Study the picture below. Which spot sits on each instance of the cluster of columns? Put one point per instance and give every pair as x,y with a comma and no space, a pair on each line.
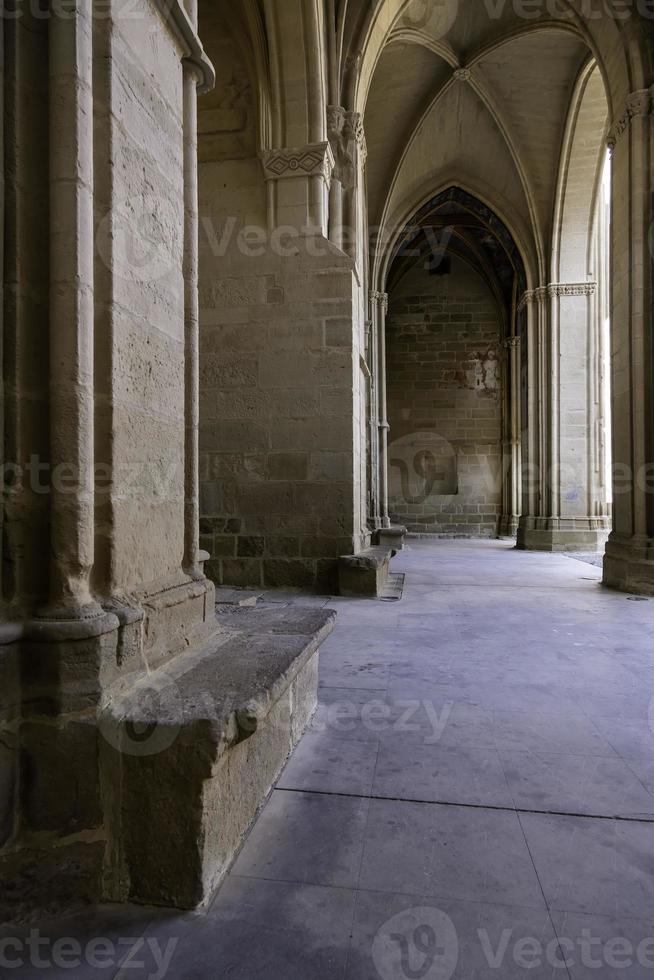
561,507
512,442
379,425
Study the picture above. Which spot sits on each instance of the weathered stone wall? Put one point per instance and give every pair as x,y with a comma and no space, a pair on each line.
445,405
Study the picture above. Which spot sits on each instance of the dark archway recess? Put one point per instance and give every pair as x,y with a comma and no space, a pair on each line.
453,361
455,223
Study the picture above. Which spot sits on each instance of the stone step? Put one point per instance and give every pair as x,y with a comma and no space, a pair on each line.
196,747
365,574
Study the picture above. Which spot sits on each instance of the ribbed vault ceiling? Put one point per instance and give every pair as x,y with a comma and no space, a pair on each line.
497,128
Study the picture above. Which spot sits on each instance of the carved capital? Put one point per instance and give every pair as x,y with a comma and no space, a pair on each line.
381,298
314,160
640,103
348,143
511,342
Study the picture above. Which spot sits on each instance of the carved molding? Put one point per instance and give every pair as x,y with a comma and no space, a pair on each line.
314,160
556,289
174,14
571,288
640,103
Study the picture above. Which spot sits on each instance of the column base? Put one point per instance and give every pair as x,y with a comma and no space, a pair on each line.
560,534
508,527
629,565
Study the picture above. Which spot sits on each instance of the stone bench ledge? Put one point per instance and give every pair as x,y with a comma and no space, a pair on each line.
364,574
196,747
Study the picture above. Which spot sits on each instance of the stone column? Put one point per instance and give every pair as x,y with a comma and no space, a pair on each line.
191,328
559,509
512,440
71,314
380,300
629,561
375,386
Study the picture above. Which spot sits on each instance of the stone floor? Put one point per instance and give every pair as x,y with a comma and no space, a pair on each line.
475,798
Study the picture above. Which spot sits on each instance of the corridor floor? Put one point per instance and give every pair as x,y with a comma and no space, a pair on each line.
475,797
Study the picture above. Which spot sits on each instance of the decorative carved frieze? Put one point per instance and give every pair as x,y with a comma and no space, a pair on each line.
314,160
572,288
640,103
556,289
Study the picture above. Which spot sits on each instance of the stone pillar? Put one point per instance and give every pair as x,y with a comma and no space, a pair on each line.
380,302
629,561
376,382
71,315
191,328
559,509
512,440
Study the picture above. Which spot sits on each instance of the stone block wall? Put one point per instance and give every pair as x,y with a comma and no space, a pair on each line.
279,379
445,405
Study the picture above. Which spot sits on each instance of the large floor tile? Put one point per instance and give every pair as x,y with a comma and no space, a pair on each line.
267,929
355,672
302,837
576,784
570,732
605,947
448,852
596,866
409,768
331,765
